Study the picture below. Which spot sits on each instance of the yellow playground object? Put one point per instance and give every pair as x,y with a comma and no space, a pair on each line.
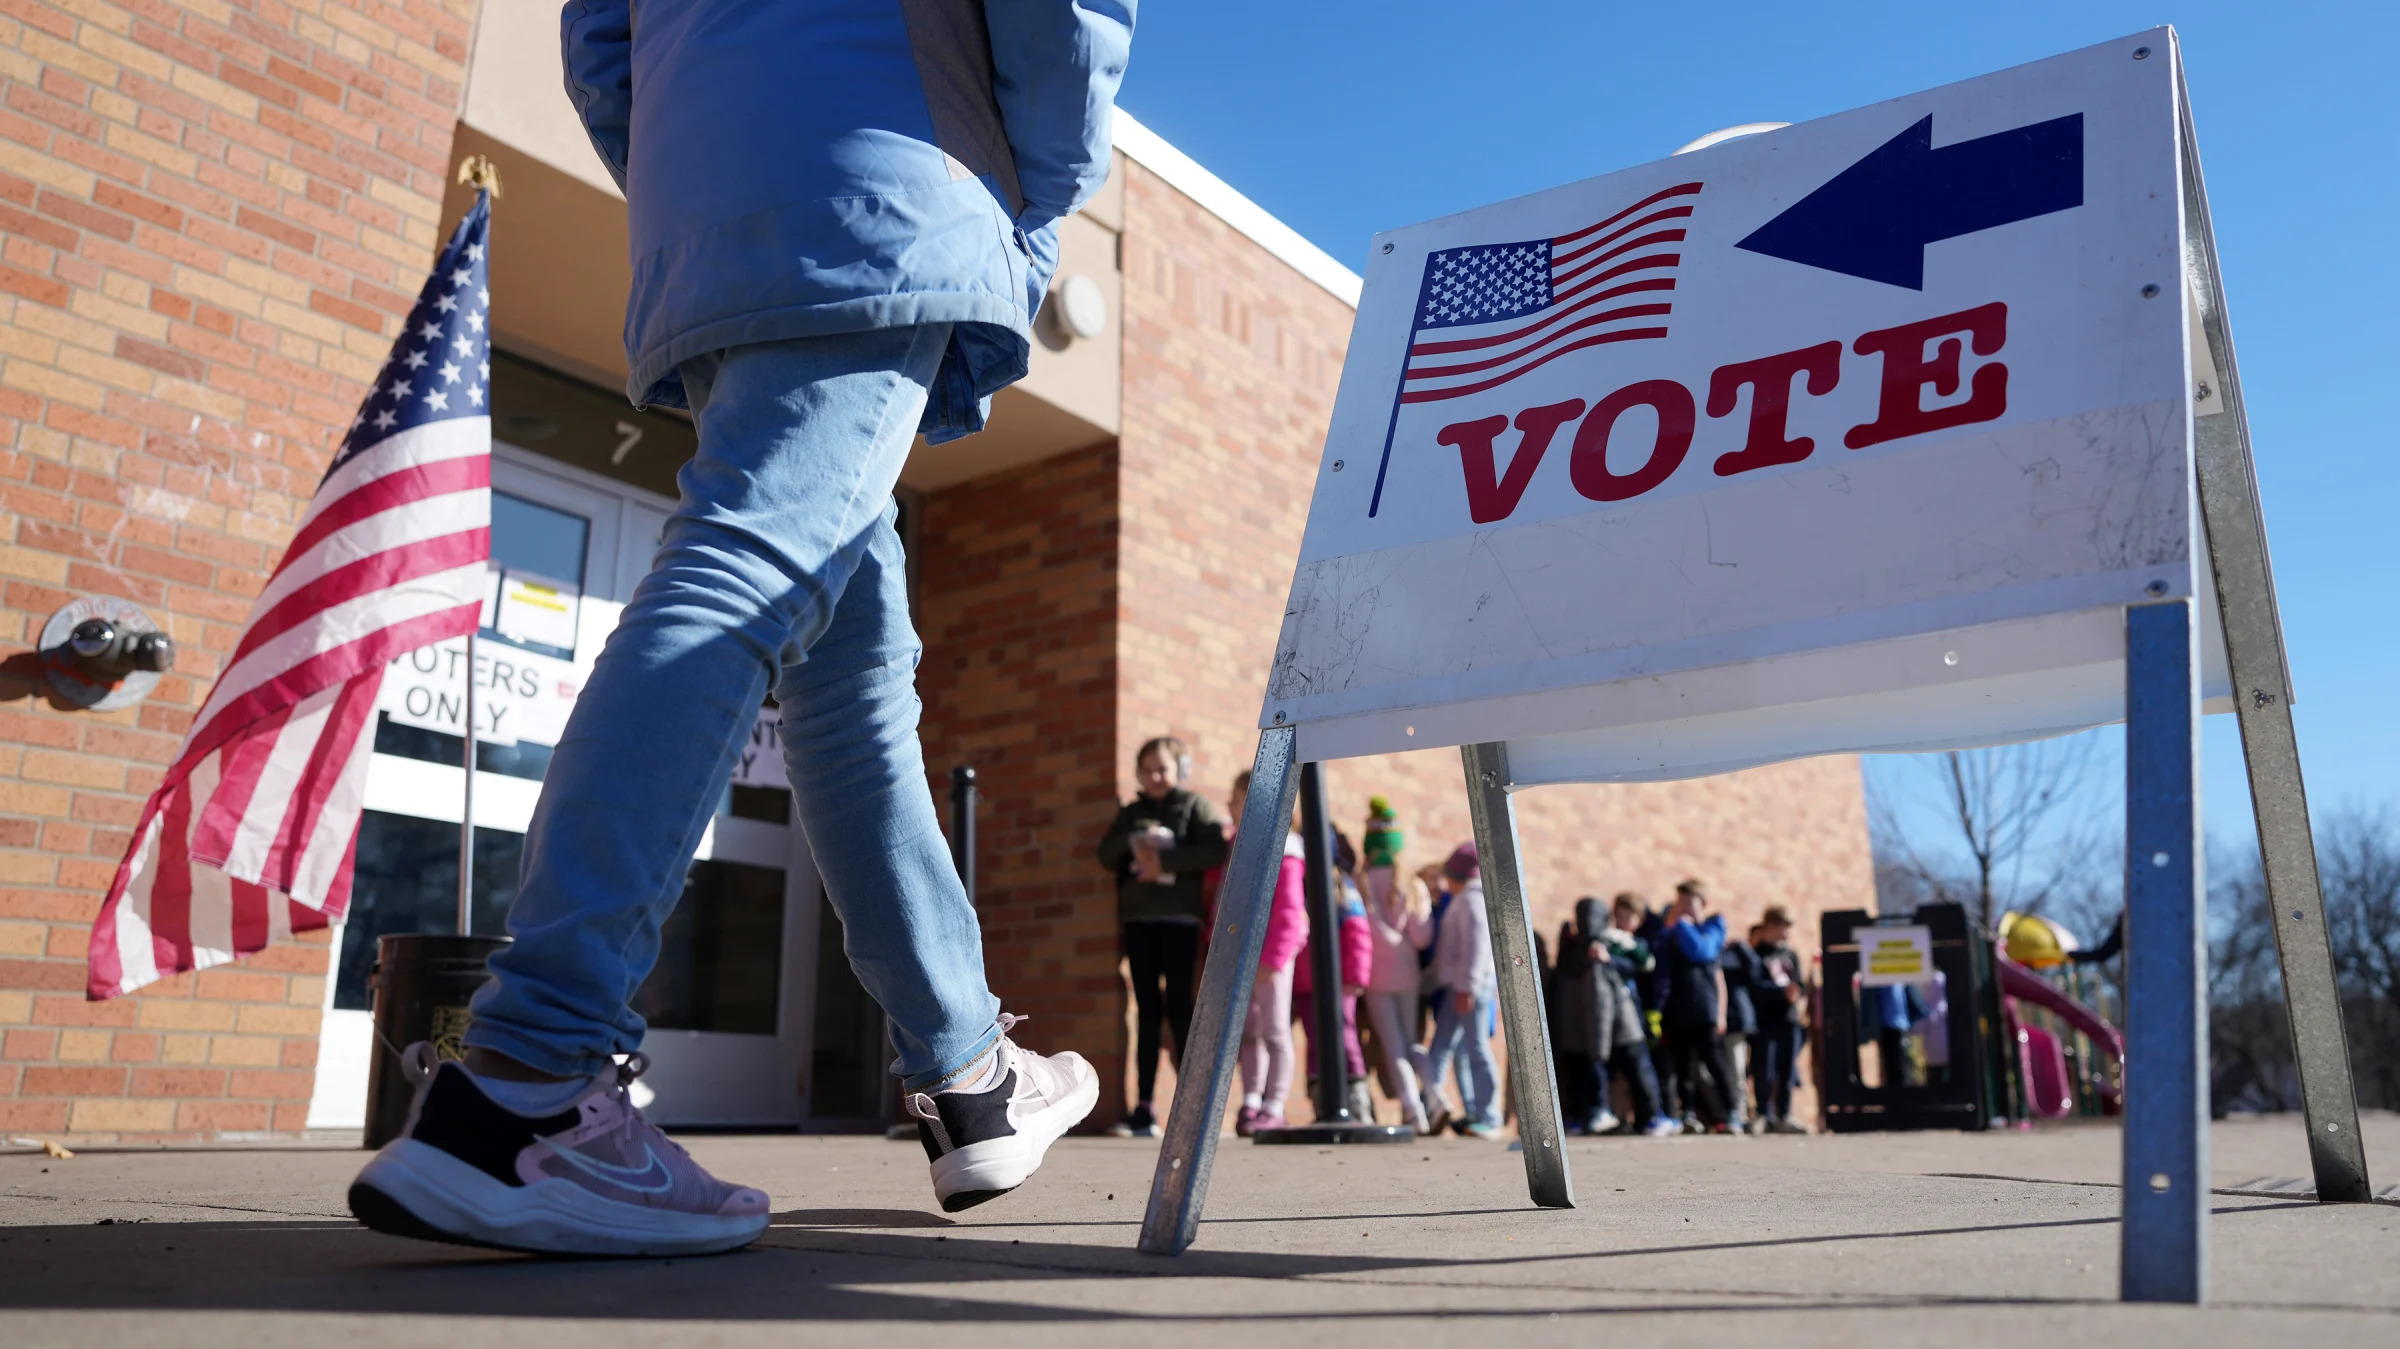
2036,943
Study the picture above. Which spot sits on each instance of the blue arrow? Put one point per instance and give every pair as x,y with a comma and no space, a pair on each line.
1874,218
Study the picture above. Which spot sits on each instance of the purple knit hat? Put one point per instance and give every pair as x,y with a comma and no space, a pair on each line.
1463,864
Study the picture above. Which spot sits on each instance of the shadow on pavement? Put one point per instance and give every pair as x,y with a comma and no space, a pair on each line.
813,1265
858,1217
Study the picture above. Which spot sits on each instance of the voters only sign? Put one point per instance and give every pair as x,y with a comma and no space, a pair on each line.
1856,434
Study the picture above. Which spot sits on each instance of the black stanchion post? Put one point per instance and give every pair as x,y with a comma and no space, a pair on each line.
1324,948
903,1126
962,855
962,825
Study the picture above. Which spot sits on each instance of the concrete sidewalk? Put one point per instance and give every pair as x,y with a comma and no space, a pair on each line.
2001,1239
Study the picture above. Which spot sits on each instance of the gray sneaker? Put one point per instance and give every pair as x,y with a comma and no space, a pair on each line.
593,1179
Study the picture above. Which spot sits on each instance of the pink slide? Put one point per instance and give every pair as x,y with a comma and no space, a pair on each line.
2043,1057
2045,1063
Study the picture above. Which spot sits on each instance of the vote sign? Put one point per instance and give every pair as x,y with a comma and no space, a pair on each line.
1911,370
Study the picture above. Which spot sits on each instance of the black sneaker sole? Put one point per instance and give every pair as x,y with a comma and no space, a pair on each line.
389,1216
966,1199
382,1213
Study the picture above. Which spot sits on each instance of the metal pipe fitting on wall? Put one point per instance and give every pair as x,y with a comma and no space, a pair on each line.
104,653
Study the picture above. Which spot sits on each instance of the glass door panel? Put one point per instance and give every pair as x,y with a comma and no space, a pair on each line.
720,958
731,999
849,1077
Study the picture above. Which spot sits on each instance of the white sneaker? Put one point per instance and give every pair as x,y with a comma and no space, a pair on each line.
593,1179
1664,1127
985,1143
1604,1122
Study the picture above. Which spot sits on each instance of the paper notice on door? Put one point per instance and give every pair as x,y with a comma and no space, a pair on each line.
537,609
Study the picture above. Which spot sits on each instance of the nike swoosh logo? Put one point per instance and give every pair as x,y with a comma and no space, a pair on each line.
651,1177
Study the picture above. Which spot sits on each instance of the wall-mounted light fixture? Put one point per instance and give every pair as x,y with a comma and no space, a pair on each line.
1077,309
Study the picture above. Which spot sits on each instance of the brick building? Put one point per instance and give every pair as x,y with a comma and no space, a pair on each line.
214,215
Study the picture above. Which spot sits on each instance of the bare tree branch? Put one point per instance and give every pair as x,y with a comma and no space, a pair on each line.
2012,812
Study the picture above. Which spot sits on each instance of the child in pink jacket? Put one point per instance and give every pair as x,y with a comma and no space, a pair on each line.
1267,1030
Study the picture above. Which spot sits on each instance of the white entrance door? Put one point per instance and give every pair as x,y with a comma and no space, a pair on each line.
732,1002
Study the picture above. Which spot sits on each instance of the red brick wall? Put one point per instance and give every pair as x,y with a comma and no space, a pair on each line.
213,214
1230,368
1016,602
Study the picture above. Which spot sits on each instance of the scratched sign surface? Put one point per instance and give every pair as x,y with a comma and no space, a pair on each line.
1915,367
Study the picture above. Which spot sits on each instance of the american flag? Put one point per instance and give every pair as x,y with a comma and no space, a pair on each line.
250,836
1501,310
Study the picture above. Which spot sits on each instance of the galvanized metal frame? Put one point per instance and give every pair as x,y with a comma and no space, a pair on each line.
1532,1077
2262,696
2164,1256
2163,1252
1206,1065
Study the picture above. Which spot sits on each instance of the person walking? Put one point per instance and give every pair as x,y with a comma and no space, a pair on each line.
1692,1022
1161,846
1781,998
1266,1055
843,218
1399,927
1462,969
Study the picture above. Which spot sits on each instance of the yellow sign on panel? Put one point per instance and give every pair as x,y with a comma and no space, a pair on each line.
1895,955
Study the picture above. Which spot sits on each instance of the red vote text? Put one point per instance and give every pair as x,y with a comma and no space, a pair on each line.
1774,382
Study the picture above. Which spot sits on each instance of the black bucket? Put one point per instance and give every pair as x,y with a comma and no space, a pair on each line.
420,986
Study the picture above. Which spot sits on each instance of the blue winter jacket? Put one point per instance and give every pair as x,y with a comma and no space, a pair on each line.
800,167
1689,960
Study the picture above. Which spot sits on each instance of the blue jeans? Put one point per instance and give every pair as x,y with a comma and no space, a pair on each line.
1459,1035
780,564
1775,1064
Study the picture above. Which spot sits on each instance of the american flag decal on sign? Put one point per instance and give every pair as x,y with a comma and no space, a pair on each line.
1488,313
250,835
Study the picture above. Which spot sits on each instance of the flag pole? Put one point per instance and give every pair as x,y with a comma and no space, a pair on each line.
480,173
466,817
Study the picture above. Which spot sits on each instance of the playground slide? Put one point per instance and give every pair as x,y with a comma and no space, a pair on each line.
2045,1063
2040,1053
2019,982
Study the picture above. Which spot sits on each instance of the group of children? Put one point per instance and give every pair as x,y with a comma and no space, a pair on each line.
1659,1002
1412,948
1689,1023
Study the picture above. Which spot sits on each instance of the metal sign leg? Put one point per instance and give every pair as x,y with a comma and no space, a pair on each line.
1530,1075
1205,1071
2164,1239
2287,850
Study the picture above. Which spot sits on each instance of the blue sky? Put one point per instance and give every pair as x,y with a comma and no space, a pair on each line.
1344,118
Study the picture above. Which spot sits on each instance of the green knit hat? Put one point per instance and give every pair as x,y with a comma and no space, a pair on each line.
1382,836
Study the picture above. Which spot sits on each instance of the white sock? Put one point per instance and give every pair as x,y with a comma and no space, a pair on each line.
974,1079
531,1098
1252,1100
